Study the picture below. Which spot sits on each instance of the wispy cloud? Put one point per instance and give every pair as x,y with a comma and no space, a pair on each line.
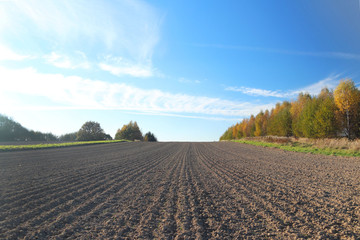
190,81
313,89
327,54
65,61
74,92
8,54
130,29
255,91
132,70
330,82
120,67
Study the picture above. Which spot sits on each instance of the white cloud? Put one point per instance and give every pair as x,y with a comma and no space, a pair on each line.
130,29
119,66
64,61
8,54
330,82
255,91
186,80
313,89
73,92
135,71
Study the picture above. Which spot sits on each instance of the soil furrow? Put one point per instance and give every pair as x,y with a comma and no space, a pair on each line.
53,208
250,195
102,209
177,191
56,181
298,204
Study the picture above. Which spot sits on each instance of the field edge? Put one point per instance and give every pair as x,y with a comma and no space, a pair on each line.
6,148
297,147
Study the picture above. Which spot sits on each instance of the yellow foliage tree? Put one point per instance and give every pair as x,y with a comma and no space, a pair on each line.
259,124
347,100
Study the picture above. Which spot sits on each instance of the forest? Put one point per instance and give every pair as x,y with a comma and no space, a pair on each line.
12,131
329,114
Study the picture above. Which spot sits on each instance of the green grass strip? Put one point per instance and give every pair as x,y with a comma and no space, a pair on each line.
304,148
55,145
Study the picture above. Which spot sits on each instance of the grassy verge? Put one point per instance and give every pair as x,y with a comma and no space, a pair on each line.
54,145
304,148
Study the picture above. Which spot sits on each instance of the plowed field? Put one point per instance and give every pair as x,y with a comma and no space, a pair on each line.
177,191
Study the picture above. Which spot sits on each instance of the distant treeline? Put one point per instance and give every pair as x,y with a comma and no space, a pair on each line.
13,131
327,115
90,131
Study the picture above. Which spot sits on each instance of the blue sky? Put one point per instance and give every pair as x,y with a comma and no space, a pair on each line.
185,70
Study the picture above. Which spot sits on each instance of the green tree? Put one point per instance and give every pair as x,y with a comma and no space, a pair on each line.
325,124
307,118
130,132
265,122
68,137
280,120
13,131
39,136
296,111
150,137
227,134
108,137
90,131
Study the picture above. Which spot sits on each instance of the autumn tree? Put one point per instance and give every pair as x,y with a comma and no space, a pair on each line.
242,128
265,122
347,98
90,131
259,131
250,127
329,114
237,131
234,132
130,132
227,134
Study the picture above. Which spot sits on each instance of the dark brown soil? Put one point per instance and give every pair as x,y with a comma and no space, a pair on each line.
177,191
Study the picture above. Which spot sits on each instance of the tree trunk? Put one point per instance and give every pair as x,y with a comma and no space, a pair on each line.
348,124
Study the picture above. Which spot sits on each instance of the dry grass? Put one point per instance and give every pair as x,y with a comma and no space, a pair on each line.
272,139
333,143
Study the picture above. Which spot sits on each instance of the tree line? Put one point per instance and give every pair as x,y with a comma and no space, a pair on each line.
13,131
326,115
89,131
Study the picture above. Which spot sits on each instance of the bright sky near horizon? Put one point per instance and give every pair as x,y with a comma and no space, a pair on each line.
184,70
